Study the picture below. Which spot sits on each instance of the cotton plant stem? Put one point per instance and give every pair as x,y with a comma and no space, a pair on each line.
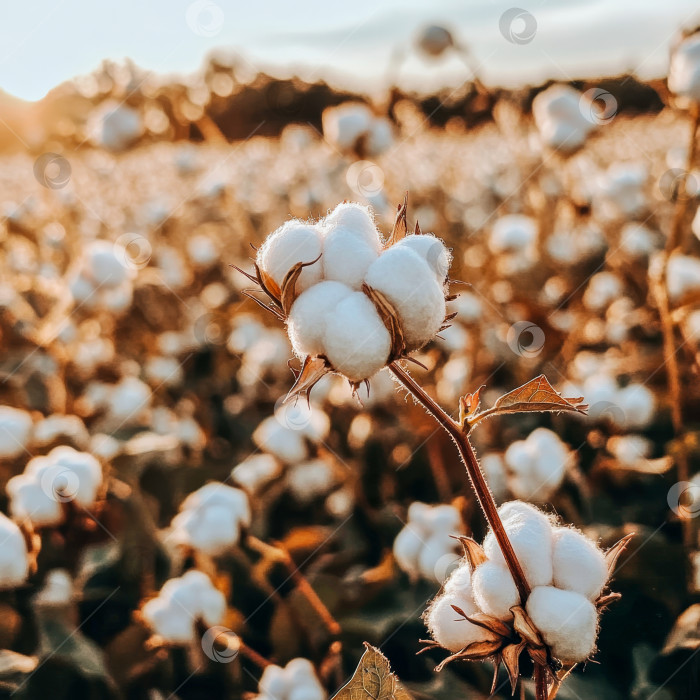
476,476
252,655
540,682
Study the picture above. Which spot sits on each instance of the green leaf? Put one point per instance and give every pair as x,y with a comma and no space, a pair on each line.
373,680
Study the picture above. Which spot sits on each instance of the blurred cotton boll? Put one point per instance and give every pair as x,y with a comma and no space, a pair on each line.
296,681
15,431
684,72
14,563
559,118
114,126
180,603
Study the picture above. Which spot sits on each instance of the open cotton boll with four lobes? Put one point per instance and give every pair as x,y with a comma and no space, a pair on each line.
14,563
560,119
296,681
180,603
684,71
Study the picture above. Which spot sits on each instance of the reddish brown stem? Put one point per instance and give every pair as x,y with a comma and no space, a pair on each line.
476,476
252,655
540,682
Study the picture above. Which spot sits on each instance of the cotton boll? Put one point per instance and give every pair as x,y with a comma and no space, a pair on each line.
214,493
356,340
292,243
637,240
432,250
621,189
128,399
494,589
14,565
287,445
29,501
273,682
104,264
412,289
114,126
433,550
530,533
210,530
380,137
444,518
15,431
256,471
80,471
629,449
419,516
357,218
307,319
449,629
407,548
567,621
638,405
345,124
603,288
558,117
492,465
513,232
57,589
684,71
310,480
577,563
682,276
174,626
309,690
460,581
57,426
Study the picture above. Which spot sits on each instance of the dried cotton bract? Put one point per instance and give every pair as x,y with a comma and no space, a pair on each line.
352,302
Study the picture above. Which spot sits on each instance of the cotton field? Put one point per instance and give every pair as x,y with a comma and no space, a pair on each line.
359,399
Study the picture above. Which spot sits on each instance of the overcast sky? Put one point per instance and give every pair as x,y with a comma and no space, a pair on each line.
43,42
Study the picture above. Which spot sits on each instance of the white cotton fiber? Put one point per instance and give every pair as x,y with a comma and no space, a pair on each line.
443,518
356,341
306,323
411,287
432,250
494,589
682,276
449,629
15,431
343,125
347,255
603,288
460,581
284,443
14,565
273,681
513,232
530,533
310,480
104,264
567,621
684,71
407,548
638,405
433,550
559,119
579,565
294,242
209,530
359,218
213,494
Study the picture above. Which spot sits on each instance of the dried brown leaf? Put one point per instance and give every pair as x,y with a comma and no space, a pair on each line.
476,651
613,554
400,225
473,551
313,369
288,293
511,660
493,624
524,626
536,395
373,680
269,286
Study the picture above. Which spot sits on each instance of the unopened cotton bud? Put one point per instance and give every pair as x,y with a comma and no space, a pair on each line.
530,533
412,289
307,319
449,629
292,243
432,250
494,589
356,340
567,621
579,565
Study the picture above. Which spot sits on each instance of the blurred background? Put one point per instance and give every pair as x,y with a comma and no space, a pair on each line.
145,147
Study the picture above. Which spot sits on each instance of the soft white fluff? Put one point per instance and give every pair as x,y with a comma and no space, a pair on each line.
603,288
530,533
284,443
578,564
621,189
637,240
684,71
356,340
558,117
412,289
57,589
537,464
347,254
682,276
494,589
345,124
567,621
14,564
432,250
114,126
460,581
309,315
104,264
629,449
296,681
513,233
294,242
181,602
15,431
56,426
309,480
449,628
638,405
256,471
